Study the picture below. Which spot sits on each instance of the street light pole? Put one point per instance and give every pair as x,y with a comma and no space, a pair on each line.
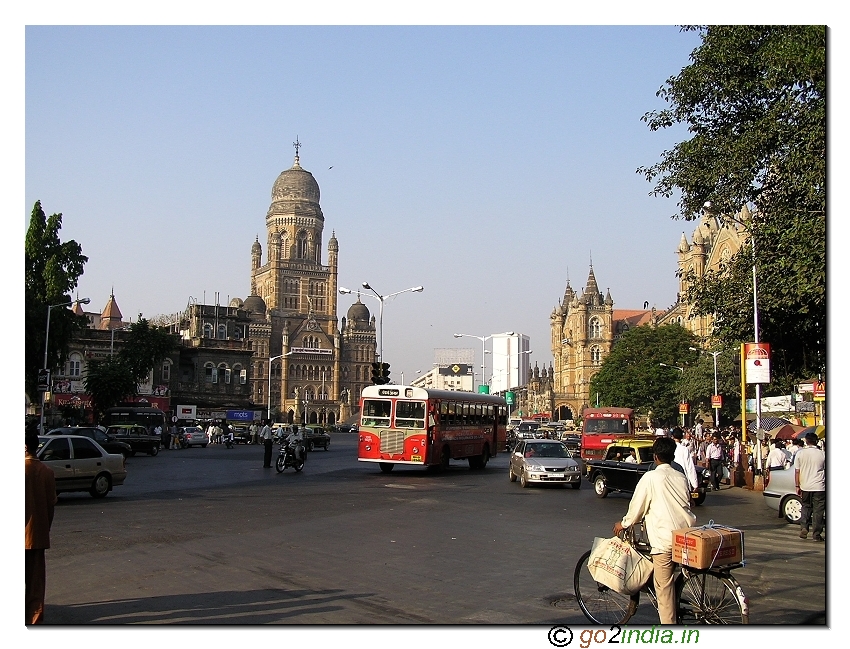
716,410
382,299
84,300
483,340
272,359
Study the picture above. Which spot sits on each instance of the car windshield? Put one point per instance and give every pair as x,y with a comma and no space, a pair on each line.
549,450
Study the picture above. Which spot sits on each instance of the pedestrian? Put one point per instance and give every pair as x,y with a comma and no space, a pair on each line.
810,480
40,496
254,433
778,456
158,432
662,500
172,440
266,435
714,455
684,458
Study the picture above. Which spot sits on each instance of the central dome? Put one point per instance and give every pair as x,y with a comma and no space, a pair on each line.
295,184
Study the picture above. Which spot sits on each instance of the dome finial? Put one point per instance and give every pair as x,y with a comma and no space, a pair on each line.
297,146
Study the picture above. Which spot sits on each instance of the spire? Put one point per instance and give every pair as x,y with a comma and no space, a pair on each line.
608,299
683,244
592,287
297,146
111,316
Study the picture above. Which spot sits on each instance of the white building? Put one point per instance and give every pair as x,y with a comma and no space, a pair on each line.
452,370
510,361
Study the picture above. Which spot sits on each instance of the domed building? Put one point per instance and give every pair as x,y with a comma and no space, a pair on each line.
317,369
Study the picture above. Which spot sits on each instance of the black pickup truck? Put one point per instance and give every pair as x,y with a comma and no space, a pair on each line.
138,437
614,474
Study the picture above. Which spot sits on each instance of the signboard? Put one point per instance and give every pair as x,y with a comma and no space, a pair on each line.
240,415
757,362
716,401
684,408
457,369
187,412
509,398
483,389
311,350
43,380
819,391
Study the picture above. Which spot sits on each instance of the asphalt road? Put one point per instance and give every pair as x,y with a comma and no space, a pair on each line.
207,536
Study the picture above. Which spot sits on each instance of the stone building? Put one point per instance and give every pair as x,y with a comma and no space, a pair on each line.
316,369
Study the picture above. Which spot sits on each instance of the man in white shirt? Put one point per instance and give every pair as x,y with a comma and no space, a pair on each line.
777,457
810,480
661,499
631,458
297,436
714,455
268,441
684,459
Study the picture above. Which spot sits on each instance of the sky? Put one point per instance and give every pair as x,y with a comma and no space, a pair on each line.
488,164
486,152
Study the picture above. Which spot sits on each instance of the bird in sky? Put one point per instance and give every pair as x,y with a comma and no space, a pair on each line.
331,167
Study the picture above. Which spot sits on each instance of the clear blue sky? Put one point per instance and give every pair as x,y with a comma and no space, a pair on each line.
486,163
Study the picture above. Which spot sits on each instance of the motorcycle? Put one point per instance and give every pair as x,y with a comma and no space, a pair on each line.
290,454
704,486
228,441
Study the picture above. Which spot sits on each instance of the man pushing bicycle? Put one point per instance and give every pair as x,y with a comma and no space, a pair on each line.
662,500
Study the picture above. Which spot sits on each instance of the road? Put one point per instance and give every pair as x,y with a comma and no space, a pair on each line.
207,536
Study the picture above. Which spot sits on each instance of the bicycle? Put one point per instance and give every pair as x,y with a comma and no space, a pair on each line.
703,596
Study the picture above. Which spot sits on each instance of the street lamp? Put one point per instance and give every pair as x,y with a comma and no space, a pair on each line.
483,340
83,300
271,360
382,299
716,410
682,370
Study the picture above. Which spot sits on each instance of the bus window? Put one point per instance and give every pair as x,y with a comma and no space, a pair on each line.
376,413
410,414
450,417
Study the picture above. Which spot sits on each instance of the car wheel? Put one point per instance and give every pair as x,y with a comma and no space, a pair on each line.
386,467
132,453
328,443
101,486
577,484
309,446
511,475
699,500
154,450
523,480
792,509
599,486
204,445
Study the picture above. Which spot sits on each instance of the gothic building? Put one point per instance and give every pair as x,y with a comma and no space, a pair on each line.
315,369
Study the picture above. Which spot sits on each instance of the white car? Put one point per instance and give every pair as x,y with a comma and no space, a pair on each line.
539,461
81,464
781,494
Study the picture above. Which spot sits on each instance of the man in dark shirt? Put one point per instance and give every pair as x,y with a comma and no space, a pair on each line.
40,494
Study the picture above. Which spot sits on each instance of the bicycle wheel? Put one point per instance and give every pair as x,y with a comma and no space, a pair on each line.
600,604
711,598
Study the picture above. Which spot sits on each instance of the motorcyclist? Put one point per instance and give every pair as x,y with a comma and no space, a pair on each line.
296,439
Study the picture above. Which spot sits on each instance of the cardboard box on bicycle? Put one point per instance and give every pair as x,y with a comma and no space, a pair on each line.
706,547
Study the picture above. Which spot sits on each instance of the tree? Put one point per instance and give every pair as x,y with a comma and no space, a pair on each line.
116,378
631,375
51,272
698,383
754,101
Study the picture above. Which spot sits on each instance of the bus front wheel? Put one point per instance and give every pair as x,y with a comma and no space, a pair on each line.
386,467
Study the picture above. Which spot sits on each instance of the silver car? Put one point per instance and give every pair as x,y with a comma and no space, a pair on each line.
544,461
781,494
81,464
194,436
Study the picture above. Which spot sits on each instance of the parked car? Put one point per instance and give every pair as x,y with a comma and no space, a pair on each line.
108,442
81,464
241,434
544,461
138,437
316,437
781,494
194,436
613,474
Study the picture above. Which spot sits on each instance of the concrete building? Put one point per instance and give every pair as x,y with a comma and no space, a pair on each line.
510,362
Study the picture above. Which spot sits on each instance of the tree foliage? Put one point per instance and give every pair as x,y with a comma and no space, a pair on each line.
754,101
112,380
51,272
631,375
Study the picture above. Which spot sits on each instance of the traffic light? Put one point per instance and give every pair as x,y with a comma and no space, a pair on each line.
376,374
385,373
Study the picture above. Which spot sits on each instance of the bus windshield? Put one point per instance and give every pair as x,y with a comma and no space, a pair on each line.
617,426
376,412
410,414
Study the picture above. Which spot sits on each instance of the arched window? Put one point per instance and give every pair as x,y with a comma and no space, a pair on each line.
222,332
595,328
301,245
210,373
595,355
208,330
75,365
166,370
224,372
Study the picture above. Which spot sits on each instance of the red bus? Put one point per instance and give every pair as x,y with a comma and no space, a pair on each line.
603,426
406,425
